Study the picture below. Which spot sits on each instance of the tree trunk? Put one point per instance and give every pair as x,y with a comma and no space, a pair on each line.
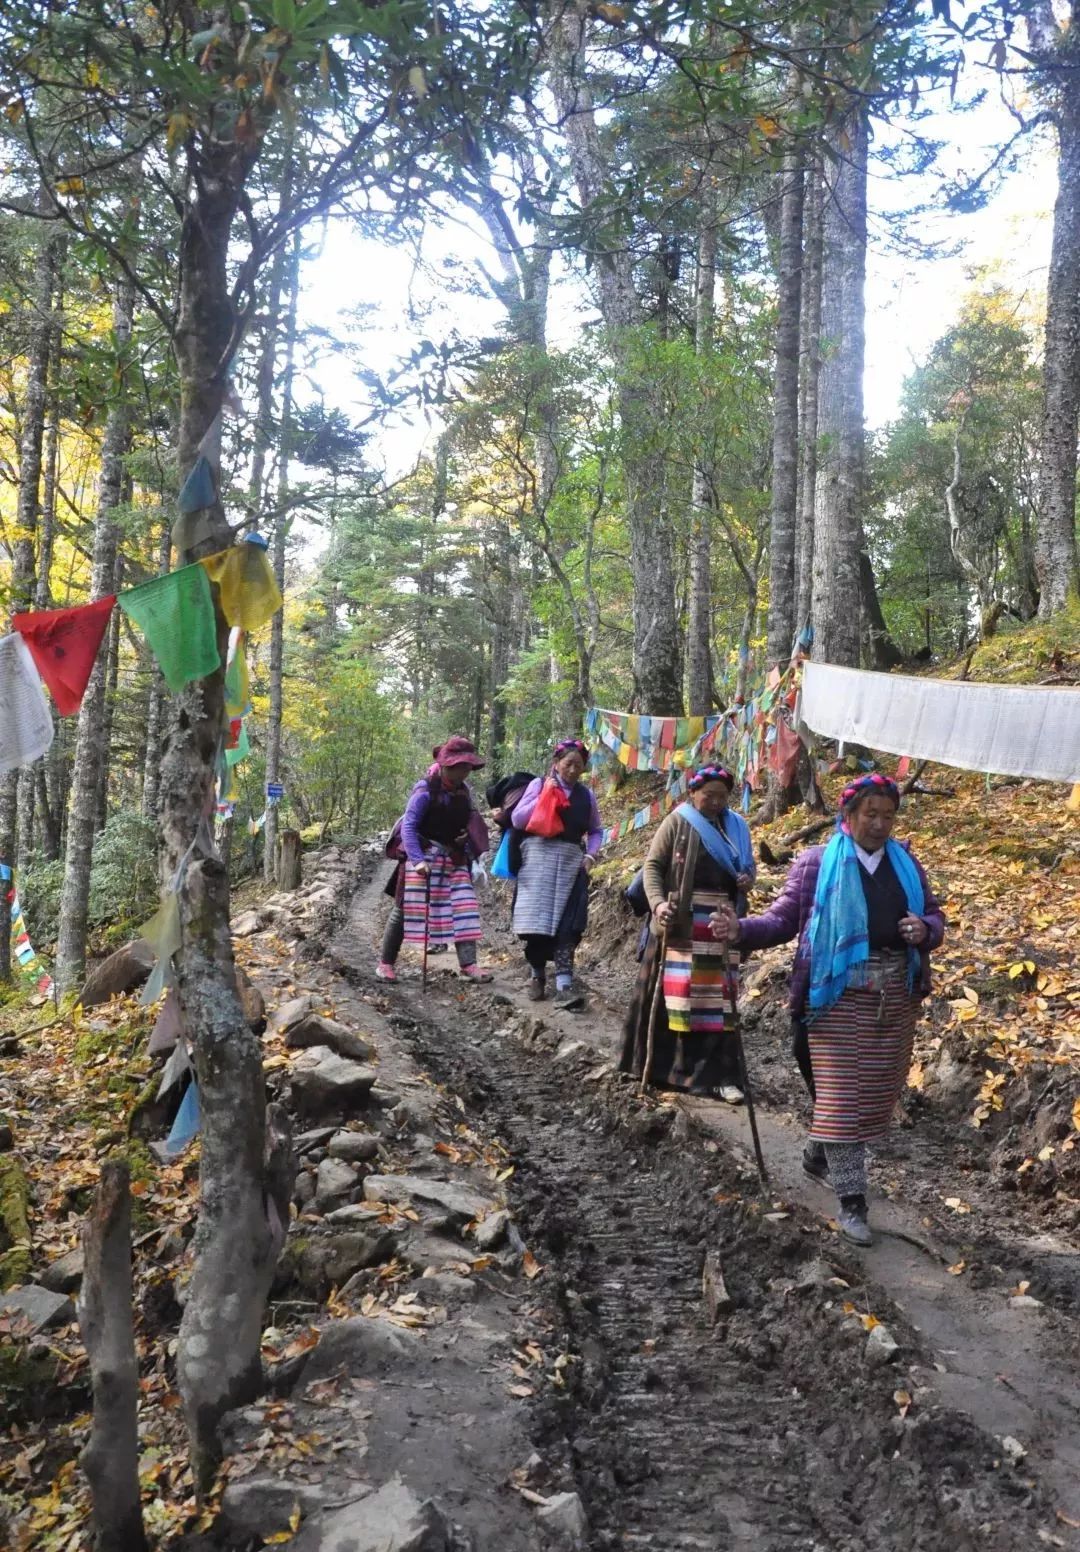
881,651
281,527
37,805
155,709
785,440
810,354
1055,536
28,507
112,679
242,1212
289,865
111,1457
656,655
841,450
90,753
699,678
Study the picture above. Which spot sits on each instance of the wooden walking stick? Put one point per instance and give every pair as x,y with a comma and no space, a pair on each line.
658,992
744,1077
427,927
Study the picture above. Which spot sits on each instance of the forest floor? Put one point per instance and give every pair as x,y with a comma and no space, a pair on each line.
510,1319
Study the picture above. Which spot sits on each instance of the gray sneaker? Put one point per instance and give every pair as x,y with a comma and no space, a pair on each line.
814,1162
852,1221
571,1000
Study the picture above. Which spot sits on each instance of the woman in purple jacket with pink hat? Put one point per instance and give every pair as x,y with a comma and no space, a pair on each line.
436,841
866,920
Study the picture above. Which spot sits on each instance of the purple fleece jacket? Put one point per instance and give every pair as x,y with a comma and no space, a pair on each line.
528,800
790,913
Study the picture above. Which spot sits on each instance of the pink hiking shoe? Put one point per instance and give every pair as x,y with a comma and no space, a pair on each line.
385,972
474,973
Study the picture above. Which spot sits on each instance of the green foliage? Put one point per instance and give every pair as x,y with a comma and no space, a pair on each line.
969,420
352,753
123,882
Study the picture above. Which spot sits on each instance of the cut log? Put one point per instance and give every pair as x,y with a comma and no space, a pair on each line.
111,1457
289,861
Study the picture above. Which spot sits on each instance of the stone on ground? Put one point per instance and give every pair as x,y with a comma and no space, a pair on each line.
492,1231
334,1181
35,1309
459,1202
327,1261
291,1012
881,1347
353,1147
65,1273
323,1081
246,924
564,1521
124,971
262,1506
394,1519
361,1346
316,1029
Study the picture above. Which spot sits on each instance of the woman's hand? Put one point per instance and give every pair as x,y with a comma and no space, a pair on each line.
664,913
913,930
588,862
423,868
744,881
497,816
723,923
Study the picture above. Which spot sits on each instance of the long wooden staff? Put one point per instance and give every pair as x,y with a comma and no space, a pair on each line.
658,993
427,927
744,1077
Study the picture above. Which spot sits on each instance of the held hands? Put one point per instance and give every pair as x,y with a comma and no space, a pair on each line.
664,913
744,881
723,923
913,930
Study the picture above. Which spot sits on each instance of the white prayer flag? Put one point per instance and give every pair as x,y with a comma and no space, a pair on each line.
26,725
1011,730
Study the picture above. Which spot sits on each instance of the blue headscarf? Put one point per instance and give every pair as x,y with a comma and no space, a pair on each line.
837,941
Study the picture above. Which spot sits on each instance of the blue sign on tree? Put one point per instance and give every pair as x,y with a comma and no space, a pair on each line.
274,789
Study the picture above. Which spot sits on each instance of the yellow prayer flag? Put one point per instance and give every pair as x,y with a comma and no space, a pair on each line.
249,592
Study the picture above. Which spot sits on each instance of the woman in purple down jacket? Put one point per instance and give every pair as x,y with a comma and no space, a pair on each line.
866,920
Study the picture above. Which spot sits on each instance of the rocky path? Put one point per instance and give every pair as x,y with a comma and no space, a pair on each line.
808,1416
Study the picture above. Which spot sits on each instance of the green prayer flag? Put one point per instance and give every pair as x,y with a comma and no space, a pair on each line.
176,615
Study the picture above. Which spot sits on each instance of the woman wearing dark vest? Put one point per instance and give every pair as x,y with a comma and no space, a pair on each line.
701,855
552,903
440,835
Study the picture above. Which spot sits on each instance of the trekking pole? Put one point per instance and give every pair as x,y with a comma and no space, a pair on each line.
744,1076
427,927
658,992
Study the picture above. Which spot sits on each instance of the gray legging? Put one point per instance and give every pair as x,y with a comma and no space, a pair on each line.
394,937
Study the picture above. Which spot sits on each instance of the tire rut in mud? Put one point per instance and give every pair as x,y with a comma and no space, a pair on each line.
767,1432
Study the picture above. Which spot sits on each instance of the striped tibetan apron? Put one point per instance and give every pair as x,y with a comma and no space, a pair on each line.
453,915
698,991
860,1051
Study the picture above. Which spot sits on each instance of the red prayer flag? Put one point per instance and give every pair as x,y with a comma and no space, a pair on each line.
64,645
903,766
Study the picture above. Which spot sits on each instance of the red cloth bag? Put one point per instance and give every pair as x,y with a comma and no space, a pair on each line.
546,818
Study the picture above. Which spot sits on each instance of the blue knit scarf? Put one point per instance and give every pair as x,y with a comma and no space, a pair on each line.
837,941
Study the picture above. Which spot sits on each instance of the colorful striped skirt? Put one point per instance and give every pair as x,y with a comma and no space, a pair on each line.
860,1050
698,990
453,915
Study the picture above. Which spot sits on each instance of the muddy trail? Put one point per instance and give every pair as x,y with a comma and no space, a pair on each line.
785,1426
